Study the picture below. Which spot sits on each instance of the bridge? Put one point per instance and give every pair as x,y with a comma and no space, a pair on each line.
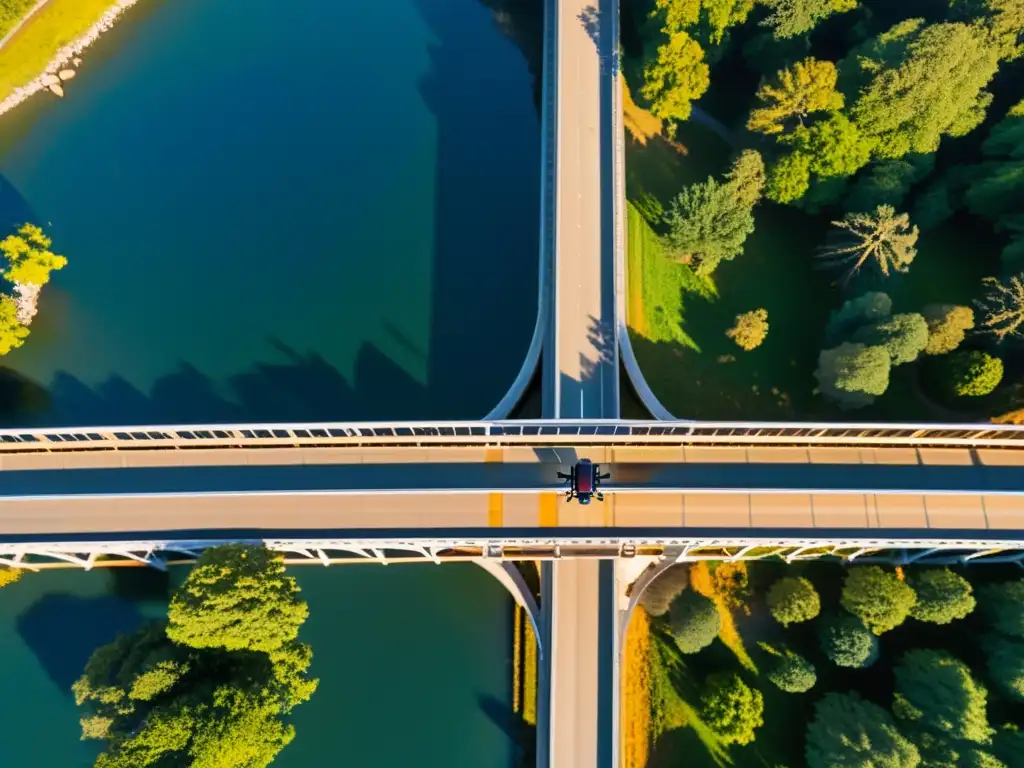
486,491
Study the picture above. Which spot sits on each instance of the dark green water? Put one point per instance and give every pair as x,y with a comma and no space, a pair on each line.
413,660
279,211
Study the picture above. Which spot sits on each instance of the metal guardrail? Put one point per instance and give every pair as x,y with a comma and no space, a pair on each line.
498,433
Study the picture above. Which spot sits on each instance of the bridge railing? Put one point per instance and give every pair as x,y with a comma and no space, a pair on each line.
499,433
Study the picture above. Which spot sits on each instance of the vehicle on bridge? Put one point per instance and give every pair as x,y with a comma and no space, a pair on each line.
584,479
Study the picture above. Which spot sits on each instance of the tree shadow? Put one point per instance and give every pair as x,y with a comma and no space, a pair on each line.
63,630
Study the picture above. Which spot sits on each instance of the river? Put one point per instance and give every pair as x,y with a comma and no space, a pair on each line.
279,212
413,661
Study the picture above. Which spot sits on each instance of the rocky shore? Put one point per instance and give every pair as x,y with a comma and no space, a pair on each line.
49,78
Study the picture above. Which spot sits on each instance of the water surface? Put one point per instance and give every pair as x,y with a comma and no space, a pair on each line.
301,211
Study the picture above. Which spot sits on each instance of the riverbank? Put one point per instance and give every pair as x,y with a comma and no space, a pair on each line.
49,40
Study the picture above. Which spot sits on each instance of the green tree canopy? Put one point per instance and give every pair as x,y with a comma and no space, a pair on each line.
971,373
750,329
676,78
158,702
695,621
848,731
835,146
792,600
237,598
871,307
885,239
789,178
947,327
790,18
29,260
936,691
1002,19
916,83
877,597
795,93
792,673
903,336
852,375
942,596
660,593
12,332
1003,606
847,642
887,182
731,708
1005,660
709,222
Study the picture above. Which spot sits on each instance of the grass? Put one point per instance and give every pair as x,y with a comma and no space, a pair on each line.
57,24
636,691
11,12
702,582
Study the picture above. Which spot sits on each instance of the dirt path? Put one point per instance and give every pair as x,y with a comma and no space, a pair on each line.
21,23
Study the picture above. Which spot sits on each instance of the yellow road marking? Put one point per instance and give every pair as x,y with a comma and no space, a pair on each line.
548,510
495,509
495,501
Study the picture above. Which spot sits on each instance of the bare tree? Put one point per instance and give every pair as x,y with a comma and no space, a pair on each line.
1002,307
884,236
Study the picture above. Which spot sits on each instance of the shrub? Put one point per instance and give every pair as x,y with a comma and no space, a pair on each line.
1003,605
971,373
750,329
695,621
877,598
942,596
732,709
847,642
793,673
792,600
947,326
665,587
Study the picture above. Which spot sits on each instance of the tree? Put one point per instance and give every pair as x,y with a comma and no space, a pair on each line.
886,182
1003,19
29,264
237,597
947,327
855,313
847,642
1005,659
1002,307
936,691
159,702
848,731
709,222
792,673
902,336
789,178
750,329
942,596
792,600
877,597
971,373
916,83
835,146
678,76
934,205
695,621
884,238
1006,139
12,331
795,94
731,708
852,374
677,15
790,18
1003,605
658,597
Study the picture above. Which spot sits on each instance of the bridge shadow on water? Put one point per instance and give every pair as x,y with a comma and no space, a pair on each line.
513,726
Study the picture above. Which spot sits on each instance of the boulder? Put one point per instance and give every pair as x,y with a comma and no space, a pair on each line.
56,89
50,79
66,74
76,61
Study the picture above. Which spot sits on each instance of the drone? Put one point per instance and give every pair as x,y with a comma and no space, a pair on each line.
584,479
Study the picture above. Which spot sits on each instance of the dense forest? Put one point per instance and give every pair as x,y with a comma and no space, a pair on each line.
827,206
